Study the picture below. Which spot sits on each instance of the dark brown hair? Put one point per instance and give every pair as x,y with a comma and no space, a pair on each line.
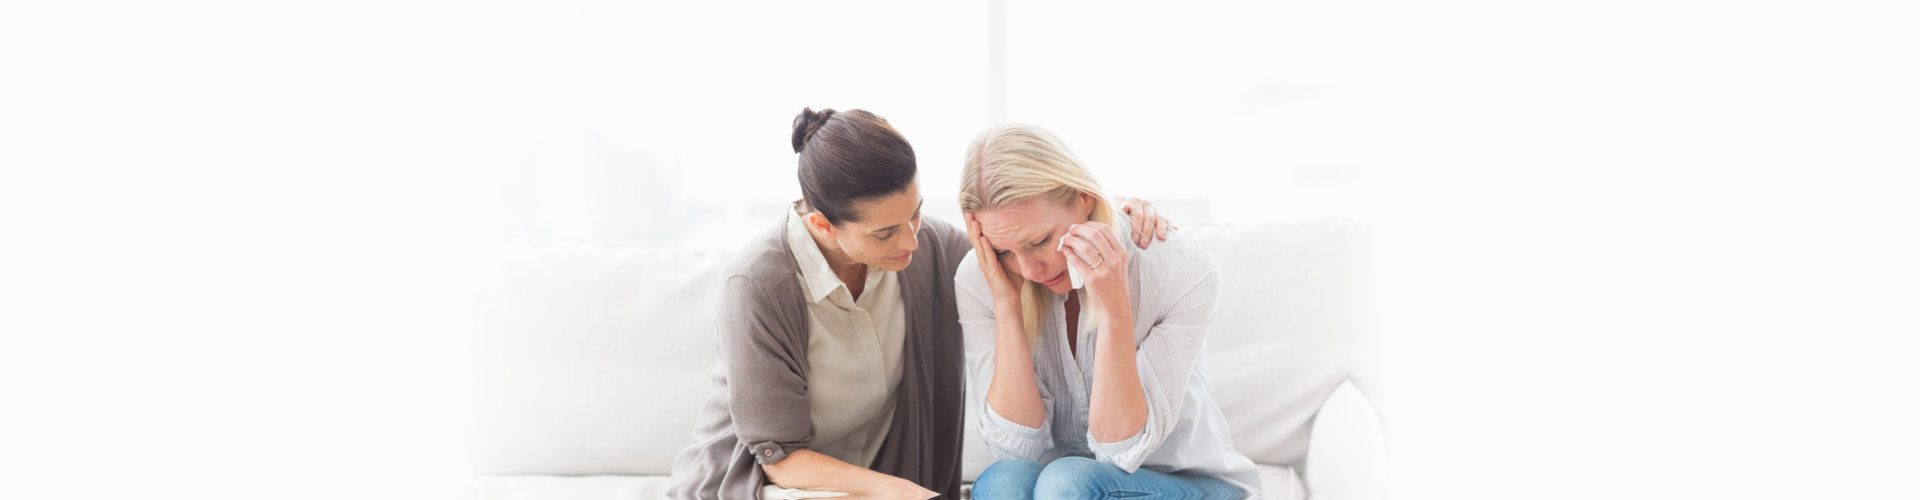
848,157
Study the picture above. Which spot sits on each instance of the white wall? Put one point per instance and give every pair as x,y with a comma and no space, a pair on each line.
1658,249
671,126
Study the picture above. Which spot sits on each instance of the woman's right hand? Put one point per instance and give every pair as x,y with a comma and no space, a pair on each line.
907,490
1005,291
807,473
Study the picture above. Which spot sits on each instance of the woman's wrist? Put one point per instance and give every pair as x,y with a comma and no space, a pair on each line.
1119,319
1006,309
1114,314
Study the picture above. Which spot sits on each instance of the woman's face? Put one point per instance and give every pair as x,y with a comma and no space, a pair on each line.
1025,234
886,234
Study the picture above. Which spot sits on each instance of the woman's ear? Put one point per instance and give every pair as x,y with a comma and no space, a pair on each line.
1086,205
819,224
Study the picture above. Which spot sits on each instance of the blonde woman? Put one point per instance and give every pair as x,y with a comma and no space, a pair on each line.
1092,390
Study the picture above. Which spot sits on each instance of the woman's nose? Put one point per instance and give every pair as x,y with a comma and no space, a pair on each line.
1030,271
1014,265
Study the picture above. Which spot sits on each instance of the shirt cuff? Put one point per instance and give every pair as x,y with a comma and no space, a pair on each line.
768,452
1014,439
1127,454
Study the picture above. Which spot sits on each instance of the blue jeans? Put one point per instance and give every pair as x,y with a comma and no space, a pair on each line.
1080,478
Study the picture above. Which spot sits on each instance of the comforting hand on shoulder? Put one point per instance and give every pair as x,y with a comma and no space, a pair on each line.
1148,224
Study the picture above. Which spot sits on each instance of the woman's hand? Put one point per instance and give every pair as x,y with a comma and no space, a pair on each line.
1005,291
900,489
1148,225
807,470
1102,261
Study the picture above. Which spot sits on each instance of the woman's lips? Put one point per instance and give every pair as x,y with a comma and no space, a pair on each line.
903,256
1056,279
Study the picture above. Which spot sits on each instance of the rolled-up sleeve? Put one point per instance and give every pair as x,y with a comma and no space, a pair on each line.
1166,357
1005,438
768,400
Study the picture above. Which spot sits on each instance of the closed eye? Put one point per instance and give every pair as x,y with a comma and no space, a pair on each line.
1042,241
913,223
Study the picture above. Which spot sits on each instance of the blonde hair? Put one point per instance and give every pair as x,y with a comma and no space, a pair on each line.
1013,163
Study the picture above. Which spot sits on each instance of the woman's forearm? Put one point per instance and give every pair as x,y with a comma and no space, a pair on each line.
1117,407
1013,393
814,471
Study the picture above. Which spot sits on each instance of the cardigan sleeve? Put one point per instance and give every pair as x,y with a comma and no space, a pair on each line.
765,370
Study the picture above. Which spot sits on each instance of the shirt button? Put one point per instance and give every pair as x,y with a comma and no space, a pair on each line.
766,453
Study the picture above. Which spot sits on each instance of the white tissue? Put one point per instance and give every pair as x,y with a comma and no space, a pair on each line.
1073,274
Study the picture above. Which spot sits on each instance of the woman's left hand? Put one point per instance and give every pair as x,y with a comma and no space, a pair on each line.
1102,261
1148,225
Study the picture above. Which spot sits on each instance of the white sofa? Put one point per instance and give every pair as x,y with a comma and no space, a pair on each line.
593,362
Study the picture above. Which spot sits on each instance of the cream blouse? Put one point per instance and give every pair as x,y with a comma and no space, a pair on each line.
854,349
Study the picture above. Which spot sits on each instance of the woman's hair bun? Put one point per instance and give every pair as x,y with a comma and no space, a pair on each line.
806,124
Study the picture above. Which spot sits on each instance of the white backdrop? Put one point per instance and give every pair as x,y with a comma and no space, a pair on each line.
1650,249
668,124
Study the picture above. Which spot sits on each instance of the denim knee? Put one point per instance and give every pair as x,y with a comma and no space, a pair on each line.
1072,477
1007,479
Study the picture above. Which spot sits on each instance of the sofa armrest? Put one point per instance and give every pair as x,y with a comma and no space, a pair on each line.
1347,453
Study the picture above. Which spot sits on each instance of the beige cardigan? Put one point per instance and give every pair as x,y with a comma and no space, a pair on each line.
758,410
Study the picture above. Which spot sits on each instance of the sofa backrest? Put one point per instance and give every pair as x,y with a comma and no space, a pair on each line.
591,360
595,360
1289,323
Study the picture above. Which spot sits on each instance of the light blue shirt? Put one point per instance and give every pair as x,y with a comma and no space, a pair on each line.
1175,285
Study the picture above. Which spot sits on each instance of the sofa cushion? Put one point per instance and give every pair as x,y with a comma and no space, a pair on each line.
568,488
1279,483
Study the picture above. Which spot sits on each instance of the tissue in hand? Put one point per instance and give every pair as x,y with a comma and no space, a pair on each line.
1073,274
